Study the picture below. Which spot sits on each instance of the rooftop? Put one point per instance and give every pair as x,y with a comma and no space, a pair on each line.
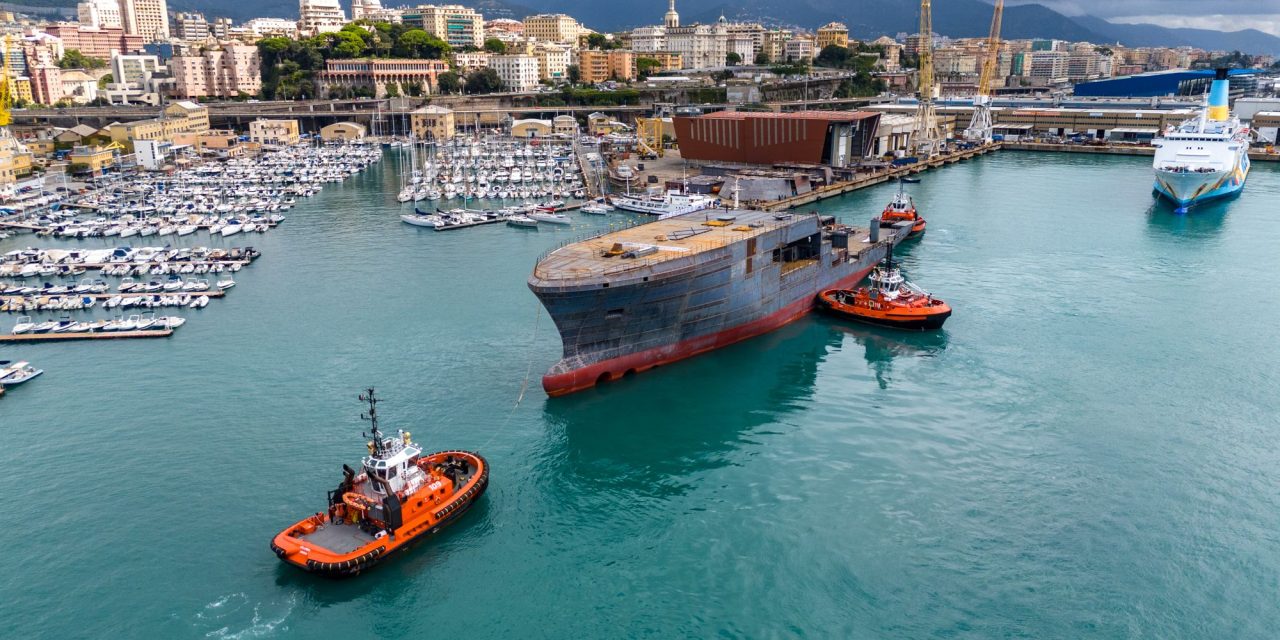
829,116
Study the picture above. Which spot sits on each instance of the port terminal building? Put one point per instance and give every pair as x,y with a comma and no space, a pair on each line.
1017,123
1174,82
830,138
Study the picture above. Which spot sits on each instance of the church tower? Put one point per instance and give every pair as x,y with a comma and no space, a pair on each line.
672,19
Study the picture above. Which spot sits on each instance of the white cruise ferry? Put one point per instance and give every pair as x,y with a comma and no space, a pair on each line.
1205,157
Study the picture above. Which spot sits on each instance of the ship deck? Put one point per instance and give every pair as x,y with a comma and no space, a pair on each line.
338,537
675,237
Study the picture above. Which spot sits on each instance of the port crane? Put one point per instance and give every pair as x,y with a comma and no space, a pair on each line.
980,126
928,137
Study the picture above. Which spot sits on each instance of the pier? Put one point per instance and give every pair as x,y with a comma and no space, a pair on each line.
85,335
1111,149
861,182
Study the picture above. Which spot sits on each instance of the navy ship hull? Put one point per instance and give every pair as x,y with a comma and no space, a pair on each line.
624,319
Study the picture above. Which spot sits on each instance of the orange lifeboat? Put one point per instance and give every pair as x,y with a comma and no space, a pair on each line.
399,497
890,301
902,209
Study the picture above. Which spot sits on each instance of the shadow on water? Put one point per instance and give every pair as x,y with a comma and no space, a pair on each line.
1202,221
882,346
647,434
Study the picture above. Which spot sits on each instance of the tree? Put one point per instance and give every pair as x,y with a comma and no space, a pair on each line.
494,45
416,43
449,82
73,59
104,81
732,58
348,45
646,66
832,55
393,89
573,73
483,81
762,58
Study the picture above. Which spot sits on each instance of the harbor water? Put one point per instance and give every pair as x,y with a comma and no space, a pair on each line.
1087,450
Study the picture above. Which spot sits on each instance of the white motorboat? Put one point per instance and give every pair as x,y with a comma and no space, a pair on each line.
550,218
522,220
24,325
594,209
17,373
227,283
199,303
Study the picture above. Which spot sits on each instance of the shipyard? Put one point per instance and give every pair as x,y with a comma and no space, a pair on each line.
870,320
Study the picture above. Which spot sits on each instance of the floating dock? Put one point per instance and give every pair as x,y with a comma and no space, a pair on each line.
212,293
85,335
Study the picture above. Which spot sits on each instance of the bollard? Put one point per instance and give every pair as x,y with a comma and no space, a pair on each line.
875,230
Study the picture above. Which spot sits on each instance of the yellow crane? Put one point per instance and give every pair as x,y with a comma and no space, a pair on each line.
649,136
980,126
6,86
928,137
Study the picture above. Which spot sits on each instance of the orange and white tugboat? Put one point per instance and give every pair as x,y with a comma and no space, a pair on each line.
902,209
890,301
399,497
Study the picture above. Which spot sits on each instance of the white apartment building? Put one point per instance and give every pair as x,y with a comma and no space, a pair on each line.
467,61
800,49
264,27
147,18
518,72
701,46
649,39
99,13
320,16
458,25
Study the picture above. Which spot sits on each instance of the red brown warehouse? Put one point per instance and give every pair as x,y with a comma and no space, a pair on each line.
835,138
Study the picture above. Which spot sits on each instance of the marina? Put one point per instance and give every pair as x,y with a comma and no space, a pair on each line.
965,457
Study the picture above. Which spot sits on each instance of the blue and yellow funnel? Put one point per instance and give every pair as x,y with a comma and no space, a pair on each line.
1218,94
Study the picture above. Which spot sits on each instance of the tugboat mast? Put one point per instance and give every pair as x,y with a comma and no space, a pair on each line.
372,417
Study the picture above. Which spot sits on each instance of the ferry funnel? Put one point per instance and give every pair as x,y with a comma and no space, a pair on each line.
1218,95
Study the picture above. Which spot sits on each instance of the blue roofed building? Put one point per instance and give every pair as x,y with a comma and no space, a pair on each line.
1175,82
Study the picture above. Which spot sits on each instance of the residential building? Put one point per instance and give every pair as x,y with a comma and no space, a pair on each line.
458,25
225,72
134,68
743,45
99,13
648,39
46,83
92,160
667,61
146,18
375,74
503,25
832,33
365,9
136,79
598,66
21,90
1047,66
79,86
220,28
468,61
96,42
191,27
182,117
552,27
700,45
267,27
773,43
553,60
432,123
798,49
320,16
741,32
518,72
274,132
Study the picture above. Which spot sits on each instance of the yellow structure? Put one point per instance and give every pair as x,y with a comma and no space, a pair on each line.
552,27
649,136
565,126
97,159
531,128
667,61
832,33
183,117
600,124
275,132
433,123
342,132
597,66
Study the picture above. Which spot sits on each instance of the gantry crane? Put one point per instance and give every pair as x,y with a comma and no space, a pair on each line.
980,126
928,137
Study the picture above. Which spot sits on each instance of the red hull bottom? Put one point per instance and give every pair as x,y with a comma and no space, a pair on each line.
589,376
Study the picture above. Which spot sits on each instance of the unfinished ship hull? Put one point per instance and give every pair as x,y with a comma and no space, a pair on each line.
631,300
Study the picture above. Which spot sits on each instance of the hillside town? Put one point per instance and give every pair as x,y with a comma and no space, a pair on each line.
139,74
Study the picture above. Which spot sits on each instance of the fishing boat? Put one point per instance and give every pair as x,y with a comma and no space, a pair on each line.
399,497
902,209
16,373
889,301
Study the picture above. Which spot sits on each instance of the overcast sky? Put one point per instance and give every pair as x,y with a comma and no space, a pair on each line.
1223,15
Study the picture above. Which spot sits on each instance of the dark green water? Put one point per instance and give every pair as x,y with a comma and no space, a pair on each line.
1088,450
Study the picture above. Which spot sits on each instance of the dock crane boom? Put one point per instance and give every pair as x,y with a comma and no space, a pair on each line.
927,135
980,126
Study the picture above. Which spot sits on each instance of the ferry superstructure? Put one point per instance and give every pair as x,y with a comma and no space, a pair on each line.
672,203
1205,157
630,300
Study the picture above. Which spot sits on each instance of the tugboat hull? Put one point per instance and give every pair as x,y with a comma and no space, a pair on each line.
331,547
928,318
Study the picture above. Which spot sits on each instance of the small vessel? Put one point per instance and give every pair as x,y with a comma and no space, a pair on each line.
399,496
672,203
1205,157
890,301
594,209
24,325
902,209
226,283
550,218
521,220
16,373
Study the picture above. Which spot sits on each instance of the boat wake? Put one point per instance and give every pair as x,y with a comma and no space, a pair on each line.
228,612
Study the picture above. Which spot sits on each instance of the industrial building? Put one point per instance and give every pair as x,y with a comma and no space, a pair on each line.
833,138
1176,82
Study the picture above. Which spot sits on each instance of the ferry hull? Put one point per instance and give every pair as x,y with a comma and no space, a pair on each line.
1185,189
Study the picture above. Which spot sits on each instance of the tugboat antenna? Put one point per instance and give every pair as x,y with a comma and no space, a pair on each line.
372,417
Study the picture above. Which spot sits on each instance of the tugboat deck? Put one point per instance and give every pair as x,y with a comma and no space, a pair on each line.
338,537
674,237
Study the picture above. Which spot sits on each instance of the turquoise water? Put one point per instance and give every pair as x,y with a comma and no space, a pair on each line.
1089,449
